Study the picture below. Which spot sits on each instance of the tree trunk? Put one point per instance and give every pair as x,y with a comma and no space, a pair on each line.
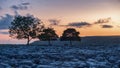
28,40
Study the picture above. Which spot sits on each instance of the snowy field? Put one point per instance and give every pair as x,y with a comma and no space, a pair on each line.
12,56
91,52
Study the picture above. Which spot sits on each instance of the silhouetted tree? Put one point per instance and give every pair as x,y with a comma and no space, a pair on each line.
25,27
70,34
48,34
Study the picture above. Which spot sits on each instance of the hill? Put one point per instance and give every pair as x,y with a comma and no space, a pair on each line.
89,40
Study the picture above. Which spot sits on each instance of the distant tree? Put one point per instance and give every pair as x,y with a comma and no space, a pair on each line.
70,34
25,27
48,34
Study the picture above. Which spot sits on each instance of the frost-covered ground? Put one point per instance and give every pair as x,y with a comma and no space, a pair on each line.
60,56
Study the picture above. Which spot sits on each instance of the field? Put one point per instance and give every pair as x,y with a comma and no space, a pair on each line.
13,56
92,52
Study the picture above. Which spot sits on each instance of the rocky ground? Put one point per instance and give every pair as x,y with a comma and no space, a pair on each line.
13,56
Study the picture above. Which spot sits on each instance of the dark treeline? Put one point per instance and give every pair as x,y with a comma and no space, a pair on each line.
29,27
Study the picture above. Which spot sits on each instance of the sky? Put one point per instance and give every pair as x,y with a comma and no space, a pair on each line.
89,17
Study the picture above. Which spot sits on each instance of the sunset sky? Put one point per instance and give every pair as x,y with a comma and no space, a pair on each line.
90,17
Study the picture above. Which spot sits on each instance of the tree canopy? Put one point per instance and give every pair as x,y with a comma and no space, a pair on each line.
25,27
70,34
48,34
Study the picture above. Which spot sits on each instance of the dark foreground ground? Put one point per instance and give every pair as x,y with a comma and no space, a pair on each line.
107,56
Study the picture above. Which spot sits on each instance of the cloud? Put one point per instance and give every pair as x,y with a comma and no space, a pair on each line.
22,6
4,32
26,3
104,23
101,21
19,7
5,21
107,26
54,22
79,24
